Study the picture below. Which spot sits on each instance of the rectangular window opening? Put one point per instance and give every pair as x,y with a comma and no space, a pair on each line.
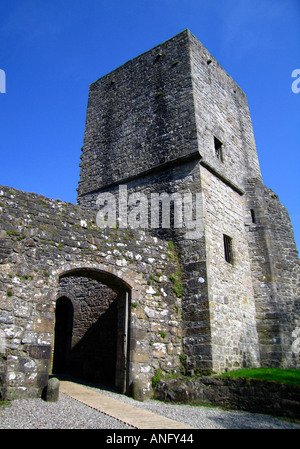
252,211
228,254
218,149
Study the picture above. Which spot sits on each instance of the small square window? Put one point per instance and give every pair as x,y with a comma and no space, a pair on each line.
228,248
218,149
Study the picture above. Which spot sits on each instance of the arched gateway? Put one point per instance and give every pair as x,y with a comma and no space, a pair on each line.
95,304
92,327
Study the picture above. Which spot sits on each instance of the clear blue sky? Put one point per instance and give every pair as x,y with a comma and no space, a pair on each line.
51,50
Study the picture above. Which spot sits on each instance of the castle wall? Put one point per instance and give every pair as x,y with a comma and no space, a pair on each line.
275,274
231,299
222,118
221,111
182,178
133,117
42,243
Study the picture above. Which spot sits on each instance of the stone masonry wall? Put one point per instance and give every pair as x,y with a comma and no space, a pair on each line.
275,272
44,240
134,114
181,178
231,298
221,111
252,395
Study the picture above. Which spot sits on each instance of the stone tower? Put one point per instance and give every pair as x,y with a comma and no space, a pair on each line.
173,121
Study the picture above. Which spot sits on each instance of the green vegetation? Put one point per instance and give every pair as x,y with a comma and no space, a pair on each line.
177,284
175,277
286,376
19,236
4,403
160,375
171,245
157,378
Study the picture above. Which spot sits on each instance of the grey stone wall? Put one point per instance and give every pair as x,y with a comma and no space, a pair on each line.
253,395
184,177
231,297
134,115
275,274
47,249
221,111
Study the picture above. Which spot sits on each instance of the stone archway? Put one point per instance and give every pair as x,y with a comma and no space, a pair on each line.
98,304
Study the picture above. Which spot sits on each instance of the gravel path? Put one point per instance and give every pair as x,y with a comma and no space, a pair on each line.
68,413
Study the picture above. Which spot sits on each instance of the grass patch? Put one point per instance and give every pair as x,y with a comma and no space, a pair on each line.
157,378
177,284
286,376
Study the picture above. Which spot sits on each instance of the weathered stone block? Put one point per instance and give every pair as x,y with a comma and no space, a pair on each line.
39,351
51,392
137,390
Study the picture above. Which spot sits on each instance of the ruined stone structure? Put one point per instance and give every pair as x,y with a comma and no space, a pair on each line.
118,304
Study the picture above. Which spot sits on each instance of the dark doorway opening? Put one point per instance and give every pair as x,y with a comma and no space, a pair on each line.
62,334
93,356
92,341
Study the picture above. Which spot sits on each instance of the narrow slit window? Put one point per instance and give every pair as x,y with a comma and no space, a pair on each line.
252,211
228,249
218,149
